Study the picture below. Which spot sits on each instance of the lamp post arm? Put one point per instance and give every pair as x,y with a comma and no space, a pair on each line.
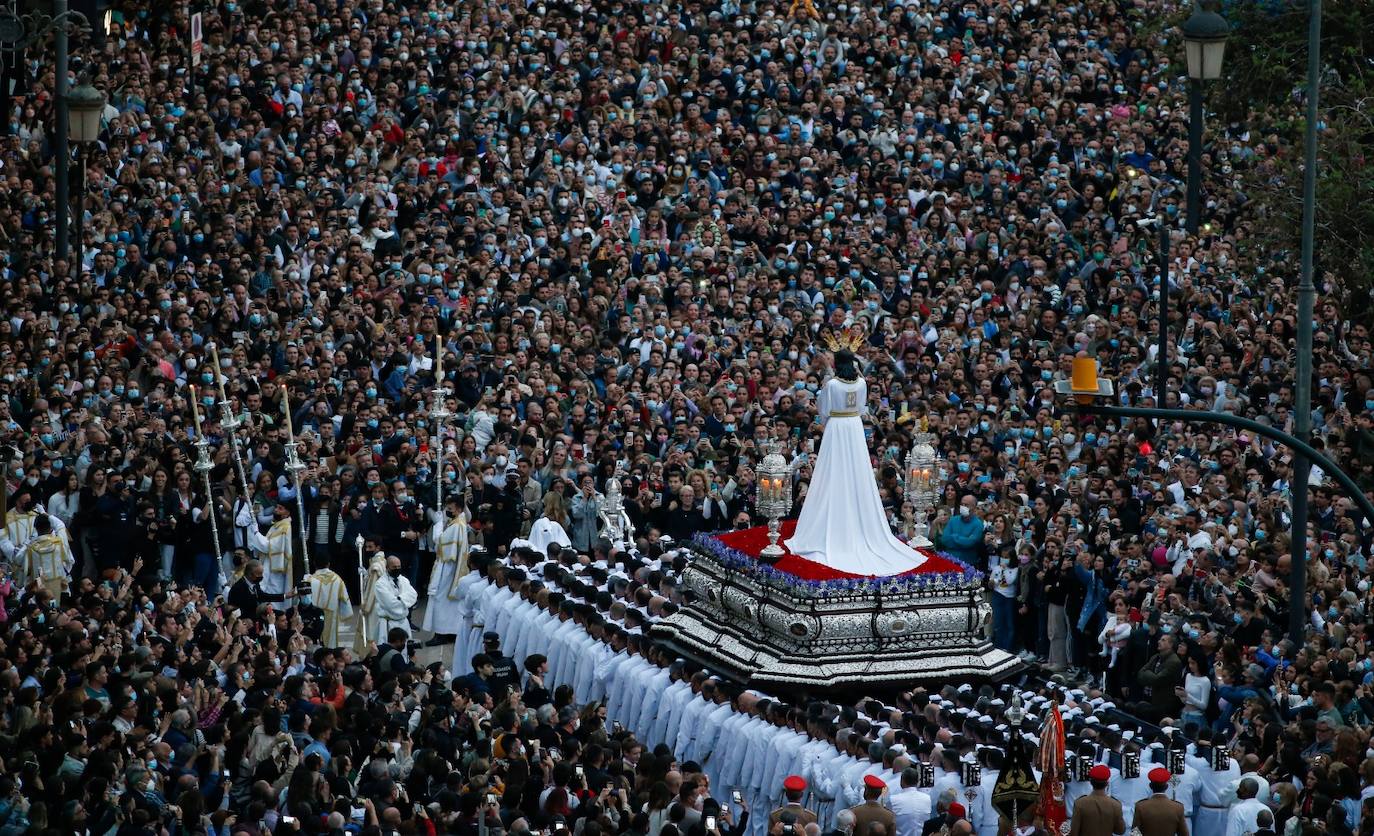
1290,441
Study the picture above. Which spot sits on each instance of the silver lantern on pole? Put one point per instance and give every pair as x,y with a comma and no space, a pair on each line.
774,499
439,415
297,468
922,483
203,466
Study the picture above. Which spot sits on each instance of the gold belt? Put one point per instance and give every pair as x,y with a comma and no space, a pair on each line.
846,414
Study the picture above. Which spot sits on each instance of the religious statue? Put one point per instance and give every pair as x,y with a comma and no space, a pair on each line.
842,523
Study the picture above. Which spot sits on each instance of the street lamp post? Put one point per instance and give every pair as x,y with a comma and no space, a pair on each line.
1085,388
1204,41
61,153
1307,293
87,108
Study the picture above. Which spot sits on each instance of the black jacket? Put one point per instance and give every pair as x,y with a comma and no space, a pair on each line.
246,597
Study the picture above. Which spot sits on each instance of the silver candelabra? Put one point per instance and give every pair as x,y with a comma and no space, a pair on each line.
921,485
203,466
774,499
619,529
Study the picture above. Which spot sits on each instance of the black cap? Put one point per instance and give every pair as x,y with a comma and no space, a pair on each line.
491,638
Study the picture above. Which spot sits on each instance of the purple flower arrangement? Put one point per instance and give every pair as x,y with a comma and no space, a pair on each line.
736,560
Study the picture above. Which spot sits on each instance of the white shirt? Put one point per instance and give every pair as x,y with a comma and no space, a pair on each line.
1243,817
912,808
709,734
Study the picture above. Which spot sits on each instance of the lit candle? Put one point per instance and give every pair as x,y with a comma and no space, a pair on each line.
286,410
195,410
219,373
438,359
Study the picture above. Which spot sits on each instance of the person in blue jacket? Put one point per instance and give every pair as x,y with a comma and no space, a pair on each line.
962,536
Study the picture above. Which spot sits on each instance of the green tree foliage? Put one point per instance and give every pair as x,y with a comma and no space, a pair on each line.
1264,91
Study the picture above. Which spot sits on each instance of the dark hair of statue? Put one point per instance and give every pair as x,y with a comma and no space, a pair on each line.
846,365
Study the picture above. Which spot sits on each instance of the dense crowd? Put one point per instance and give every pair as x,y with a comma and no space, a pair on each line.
615,234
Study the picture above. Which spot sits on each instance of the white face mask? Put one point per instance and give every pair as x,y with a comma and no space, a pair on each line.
965,511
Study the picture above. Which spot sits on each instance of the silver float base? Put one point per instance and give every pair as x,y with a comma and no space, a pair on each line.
785,637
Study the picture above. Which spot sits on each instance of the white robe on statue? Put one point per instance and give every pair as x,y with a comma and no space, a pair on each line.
394,598
842,523
327,591
444,614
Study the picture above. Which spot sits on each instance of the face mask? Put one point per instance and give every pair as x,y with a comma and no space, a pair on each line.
964,510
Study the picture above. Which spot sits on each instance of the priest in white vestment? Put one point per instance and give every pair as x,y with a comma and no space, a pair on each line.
394,596
327,591
18,532
48,556
279,556
367,585
444,614
842,523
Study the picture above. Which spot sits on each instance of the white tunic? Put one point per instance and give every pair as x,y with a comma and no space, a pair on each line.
709,734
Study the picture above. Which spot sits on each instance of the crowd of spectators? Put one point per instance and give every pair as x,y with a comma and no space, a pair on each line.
615,232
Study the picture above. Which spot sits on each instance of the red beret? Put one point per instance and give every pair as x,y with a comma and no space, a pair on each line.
1159,775
956,810
794,783
1100,773
874,781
